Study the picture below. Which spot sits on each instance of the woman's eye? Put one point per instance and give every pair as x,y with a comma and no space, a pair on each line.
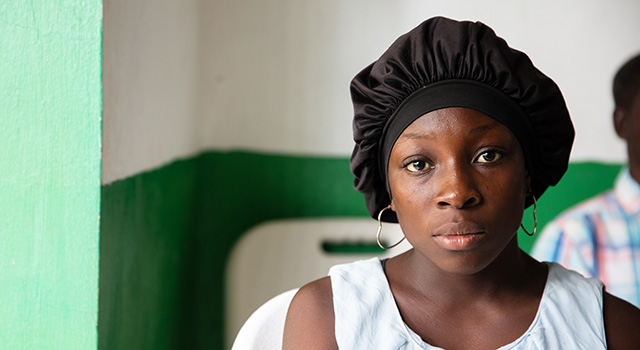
417,165
488,157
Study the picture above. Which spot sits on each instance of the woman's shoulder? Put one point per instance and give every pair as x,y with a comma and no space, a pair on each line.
311,308
572,281
622,323
621,319
316,294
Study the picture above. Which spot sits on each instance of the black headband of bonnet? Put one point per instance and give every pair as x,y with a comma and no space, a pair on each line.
456,93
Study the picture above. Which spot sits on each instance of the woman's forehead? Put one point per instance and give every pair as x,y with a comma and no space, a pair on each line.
461,119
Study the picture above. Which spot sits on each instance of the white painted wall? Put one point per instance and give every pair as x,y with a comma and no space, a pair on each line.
277,73
150,84
186,76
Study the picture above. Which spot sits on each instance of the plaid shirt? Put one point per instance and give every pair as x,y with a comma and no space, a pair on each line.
600,238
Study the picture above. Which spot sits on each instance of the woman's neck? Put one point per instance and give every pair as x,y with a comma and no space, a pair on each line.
511,273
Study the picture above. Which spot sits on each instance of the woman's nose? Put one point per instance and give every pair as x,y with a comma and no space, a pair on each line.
456,189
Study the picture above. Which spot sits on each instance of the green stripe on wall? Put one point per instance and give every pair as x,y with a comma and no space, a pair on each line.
166,235
146,232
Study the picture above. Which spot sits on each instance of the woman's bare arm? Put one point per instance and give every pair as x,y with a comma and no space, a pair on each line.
310,319
621,323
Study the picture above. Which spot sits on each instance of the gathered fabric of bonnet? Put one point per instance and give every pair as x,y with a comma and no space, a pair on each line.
445,63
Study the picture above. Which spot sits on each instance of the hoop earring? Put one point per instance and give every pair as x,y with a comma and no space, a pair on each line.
535,219
380,230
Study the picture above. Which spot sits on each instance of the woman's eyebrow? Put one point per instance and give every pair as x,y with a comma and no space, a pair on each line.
416,135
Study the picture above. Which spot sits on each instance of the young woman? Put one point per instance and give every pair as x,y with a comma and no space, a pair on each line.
456,134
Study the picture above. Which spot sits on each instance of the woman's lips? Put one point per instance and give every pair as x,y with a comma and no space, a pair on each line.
463,241
459,236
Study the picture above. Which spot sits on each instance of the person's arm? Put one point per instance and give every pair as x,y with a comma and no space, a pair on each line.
621,323
310,319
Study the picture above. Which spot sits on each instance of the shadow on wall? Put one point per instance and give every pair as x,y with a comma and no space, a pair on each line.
166,235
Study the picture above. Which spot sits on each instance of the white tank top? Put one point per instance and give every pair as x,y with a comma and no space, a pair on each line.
366,316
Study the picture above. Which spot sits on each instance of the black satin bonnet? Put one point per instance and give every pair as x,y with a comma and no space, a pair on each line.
447,63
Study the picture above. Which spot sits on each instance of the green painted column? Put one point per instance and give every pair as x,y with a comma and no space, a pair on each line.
50,111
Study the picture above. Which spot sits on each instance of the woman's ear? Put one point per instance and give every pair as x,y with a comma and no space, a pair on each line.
619,122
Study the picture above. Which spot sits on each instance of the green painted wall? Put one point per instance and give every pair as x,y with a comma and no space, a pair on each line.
166,235
50,110
146,258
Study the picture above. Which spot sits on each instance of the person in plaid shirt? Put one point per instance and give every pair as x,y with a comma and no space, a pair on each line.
600,237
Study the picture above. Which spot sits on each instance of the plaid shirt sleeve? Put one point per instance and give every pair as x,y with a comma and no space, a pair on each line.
565,241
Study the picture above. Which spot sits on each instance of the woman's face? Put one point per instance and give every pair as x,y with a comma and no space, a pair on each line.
458,185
